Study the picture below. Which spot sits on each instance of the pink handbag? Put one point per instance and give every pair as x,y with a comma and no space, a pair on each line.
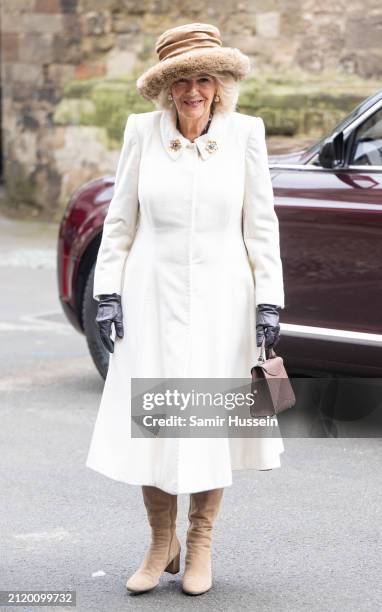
272,389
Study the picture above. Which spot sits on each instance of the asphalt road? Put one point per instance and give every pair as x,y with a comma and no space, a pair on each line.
305,537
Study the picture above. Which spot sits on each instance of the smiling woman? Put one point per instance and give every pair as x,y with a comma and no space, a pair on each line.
189,251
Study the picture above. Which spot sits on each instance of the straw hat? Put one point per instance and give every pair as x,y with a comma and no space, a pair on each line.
194,47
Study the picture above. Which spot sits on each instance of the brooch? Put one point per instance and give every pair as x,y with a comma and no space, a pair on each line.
211,146
175,144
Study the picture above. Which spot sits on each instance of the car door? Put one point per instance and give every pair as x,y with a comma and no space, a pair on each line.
331,245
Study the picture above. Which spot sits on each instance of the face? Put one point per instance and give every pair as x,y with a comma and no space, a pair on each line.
193,95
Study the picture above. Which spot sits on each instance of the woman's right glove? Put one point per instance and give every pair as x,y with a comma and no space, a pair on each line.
109,311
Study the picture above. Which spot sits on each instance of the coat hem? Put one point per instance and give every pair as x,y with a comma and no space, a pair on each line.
155,483
177,490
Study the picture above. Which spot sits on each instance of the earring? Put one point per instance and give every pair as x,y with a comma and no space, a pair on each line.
217,98
169,97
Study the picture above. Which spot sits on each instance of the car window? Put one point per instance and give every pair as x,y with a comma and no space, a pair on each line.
315,161
367,147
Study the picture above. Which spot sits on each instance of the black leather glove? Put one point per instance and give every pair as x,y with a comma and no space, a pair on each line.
109,311
267,324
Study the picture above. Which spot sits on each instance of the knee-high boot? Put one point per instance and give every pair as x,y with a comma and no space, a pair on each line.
163,554
203,510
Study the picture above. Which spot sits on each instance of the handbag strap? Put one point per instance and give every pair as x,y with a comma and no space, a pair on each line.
266,352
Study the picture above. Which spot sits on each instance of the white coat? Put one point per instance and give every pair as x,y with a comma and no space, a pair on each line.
191,243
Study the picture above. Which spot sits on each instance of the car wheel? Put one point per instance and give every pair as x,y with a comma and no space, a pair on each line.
97,350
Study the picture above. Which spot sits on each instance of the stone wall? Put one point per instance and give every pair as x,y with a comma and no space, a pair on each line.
69,68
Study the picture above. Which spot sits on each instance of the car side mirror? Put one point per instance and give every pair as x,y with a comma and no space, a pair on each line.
331,152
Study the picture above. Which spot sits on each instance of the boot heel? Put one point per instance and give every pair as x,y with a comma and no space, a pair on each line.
174,565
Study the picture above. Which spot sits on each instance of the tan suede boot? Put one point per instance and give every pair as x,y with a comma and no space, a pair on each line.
164,551
203,510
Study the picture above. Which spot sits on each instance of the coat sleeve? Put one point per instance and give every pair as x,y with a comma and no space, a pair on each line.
260,222
119,226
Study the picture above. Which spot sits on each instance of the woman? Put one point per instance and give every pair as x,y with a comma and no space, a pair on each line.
190,250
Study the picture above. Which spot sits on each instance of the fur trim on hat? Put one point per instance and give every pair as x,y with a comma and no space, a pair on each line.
219,59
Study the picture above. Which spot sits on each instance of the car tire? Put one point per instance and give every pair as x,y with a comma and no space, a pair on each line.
97,350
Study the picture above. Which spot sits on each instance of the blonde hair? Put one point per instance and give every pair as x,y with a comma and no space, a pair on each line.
227,90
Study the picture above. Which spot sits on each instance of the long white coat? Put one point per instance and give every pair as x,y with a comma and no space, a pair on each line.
191,243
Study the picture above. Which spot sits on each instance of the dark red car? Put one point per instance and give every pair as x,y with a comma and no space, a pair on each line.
329,203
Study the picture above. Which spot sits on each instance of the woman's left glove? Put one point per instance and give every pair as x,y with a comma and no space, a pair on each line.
109,311
267,325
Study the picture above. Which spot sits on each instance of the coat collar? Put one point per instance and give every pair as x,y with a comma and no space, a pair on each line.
208,144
